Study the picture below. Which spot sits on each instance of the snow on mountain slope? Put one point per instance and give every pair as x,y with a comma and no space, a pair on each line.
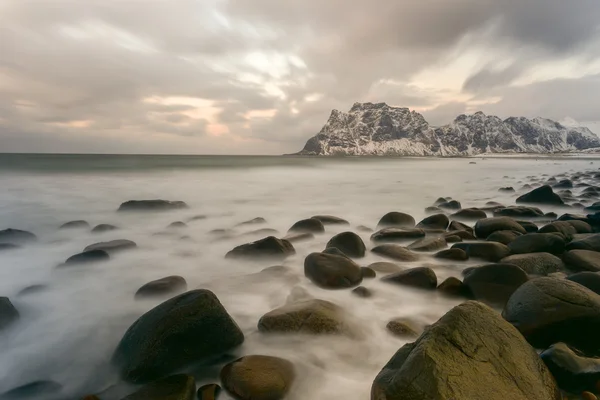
378,129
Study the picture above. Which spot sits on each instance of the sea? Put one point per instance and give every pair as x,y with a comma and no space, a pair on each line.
67,332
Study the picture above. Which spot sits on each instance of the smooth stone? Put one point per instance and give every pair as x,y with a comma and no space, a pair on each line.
16,236
538,243
334,251
397,235
453,239
428,244
177,225
385,267
174,387
504,237
8,313
453,287
508,189
152,205
464,235
299,237
542,195
395,252
87,257
104,228
490,251
495,283
572,371
363,228
75,225
450,205
452,254
469,214
253,221
112,246
436,221
31,289
485,227
459,226
162,287
563,184
397,219
267,248
530,227
580,226
36,389
518,212
582,260
330,220
536,263
402,328
469,353
562,227
188,328
309,225
331,271
590,280
261,232
349,243
420,277
209,392
258,377
591,242
433,210
362,291
367,273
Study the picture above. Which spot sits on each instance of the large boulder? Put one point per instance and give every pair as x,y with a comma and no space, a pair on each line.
436,221
530,227
573,372
467,214
267,248
485,227
330,220
590,280
188,328
580,226
562,227
395,252
494,283
536,263
310,225
542,195
258,377
314,316
112,246
453,287
75,225
397,220
504,237
88,257
174,387
332,271
8,313
349,243
428,244
470,353
452,254
152,205
166,286
538,243
549,310
397,235
489,251
421,278
591,242
518,212
16,236
582,260
459,226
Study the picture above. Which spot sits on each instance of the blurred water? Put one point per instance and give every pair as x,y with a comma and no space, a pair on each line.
68,332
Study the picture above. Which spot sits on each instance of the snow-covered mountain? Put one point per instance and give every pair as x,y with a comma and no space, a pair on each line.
378,129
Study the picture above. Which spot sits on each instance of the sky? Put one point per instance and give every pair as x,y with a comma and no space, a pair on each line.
262,76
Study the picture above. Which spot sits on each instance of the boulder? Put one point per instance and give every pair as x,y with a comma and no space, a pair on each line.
402,328
309,225
582,260
87,257
494,283
590,280
469,214
453,287
8,313
335,251
530,227
367,273
112,246
563,184
362,291
331,271
395,252
188,328
330,220
349,243
504,237
33,390
454,254
428,244
385,267
549,310
562,227
538,243
397,220
453,239
518,212
470,353
209,392
75,225
258,377
536,263
463,235
267,248
174,387
104,228
542,195
312,316
450,205
433,210
485,227
397,235
420,277
580,226
162,287
436,221
489,251
459,226
573,372
591,242
152,205
16,236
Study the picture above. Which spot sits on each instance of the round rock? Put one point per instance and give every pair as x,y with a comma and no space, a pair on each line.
428,244
332,271
349,243
495,283
538,243
330,220
396,219
162,287
582,260
536,263
436,221
489,251
590,280
75,225
392,235
420,277
309,225
504,237
485,227
267,248
452,254
469,214
112,246
88,257
402,327
395,252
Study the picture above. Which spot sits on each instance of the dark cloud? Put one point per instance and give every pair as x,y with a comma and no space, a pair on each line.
487,78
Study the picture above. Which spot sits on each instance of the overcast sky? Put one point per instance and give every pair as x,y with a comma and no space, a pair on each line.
262,76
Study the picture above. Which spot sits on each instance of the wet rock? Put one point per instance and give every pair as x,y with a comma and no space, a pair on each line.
548,310
75,225
529,226
493,204
485,227
175,387
595,207
582,260
420,277
197,218
536,263
453,287
258,377
332,271
362,291
396,220
562,227
335,251
459,226
253,221
188,328
450,205
309,225
464,235
591,242
330,220
490,251
362,228
538,243
573,372
433,210
299,237
397,235
452,254
104,228
385,267
428,244
441,200
177,225
209,392
519,212
16,236
436,221
542,195
31,289
471,340
298,293
590,280
395,252
112,246
152,205
313,316
507,189
564,184
162,287
267,248
87,257
453,239
403,328
368,273
349,243
495,283
581,226
8,313
36,389
469,214
504,237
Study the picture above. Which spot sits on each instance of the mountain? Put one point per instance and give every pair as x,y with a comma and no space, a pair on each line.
378,129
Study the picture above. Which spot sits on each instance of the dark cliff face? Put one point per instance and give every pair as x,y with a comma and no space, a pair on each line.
377,129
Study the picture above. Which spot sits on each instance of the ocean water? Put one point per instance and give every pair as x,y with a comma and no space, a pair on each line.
68,332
